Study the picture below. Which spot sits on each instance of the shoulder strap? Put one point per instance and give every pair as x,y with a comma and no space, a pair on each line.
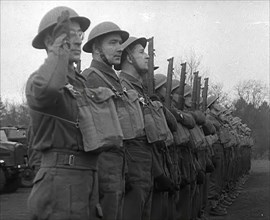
100,74
127,82
54,116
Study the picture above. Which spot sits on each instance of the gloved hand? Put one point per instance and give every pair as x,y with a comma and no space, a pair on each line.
176,114
208,128
155,97
164,184
199,117
200,177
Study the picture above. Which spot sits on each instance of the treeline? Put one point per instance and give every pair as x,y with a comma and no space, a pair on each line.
257,119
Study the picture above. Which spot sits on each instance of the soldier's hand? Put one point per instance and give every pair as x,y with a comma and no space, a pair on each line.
62,26
59,42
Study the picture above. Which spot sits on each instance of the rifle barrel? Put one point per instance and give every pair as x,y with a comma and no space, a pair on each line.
198,92
150,78
181,99
169,83
194,91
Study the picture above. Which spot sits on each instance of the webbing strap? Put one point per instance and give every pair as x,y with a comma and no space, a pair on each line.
57,117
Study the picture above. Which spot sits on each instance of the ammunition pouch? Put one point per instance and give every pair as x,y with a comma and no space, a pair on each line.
181,136
197,138
156,127
98,119
130,115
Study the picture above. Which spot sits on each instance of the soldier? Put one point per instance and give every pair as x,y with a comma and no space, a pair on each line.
104,43
142,164
217,177
65,186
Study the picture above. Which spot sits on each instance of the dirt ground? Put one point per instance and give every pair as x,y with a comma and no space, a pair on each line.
253,202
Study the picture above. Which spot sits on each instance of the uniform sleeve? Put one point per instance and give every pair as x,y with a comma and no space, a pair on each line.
45,85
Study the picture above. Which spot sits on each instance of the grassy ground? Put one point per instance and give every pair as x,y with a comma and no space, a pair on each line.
252,204
254,201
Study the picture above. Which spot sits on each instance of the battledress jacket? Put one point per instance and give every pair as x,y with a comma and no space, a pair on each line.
138,86
53,109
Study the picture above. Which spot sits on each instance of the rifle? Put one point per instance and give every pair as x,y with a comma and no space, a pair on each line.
204,94
169,84
194,91
181,99
150,76
198,92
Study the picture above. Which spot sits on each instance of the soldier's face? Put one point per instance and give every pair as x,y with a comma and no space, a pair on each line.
76,37
188,101
140,57
175,98
110,47
162,91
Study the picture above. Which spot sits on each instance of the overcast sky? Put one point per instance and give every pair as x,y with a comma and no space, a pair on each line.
232,37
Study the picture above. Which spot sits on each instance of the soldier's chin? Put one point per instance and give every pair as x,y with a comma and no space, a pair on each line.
74,59
117,62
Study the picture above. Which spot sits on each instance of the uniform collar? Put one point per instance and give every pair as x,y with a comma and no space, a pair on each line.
131,79
104,68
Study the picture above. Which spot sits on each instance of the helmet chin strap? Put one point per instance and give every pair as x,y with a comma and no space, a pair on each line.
104,58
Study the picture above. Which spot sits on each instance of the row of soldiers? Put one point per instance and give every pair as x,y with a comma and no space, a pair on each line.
116,141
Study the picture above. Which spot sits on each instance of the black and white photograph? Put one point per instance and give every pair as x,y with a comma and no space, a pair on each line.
134,110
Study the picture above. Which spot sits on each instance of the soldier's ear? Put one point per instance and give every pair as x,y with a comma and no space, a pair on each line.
129,58
96,48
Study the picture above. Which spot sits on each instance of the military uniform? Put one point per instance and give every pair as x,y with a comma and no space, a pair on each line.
142,165
111,163
65,186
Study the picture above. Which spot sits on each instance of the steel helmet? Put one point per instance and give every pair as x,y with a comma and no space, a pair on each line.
127,43
187,90
50,19
211,100
160,80
175,84
101,29
131,40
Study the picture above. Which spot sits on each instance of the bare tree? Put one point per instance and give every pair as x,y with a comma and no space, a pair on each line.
2,109
252,91
217,90
193,64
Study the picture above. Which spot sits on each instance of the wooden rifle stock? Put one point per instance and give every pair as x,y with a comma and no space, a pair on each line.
181,99
150,76
194,91
169,83
205,91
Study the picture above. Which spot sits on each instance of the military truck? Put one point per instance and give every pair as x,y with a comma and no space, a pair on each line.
14,169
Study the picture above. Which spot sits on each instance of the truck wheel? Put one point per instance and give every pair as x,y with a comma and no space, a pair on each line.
27,176
2,179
